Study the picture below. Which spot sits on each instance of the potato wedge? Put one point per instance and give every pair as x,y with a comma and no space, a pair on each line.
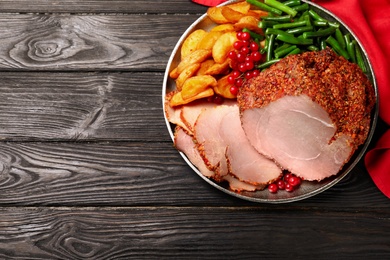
197,84
223,88
258,14
222,46
248,22
191,42
218,68
231,15
208,41
188,72
227,27
242,7
197,56
177,99
204,66
215,14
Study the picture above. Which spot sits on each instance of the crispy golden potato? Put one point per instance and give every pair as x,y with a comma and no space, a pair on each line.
231,15
204,66
177,99
226,27
218,68
191,42
188,72
207,42
248,22
215,14
258,14
223,88
242,7
222,46
197,84
197,56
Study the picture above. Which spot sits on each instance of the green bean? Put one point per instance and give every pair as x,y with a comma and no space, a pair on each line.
300,30
319,33
359,58
336,46
291,3
284,8
285,51
270,46
289,38
265,7
266,24
253,34
282,47
312,48
266,64
283,18
323,45
301,7
289,25
295,51
320,23
350,47
273,31
316,16
340,38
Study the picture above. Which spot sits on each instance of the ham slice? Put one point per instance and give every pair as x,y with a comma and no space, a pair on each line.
297,133
221,142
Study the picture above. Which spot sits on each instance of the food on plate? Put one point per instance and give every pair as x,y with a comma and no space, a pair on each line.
272,95
308,112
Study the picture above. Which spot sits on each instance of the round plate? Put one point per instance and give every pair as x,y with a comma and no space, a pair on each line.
307,189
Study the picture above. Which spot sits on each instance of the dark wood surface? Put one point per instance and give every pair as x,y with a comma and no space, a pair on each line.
87,167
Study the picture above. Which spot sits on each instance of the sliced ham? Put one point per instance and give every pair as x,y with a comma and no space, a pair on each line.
297,133
185,143
226,150
244,161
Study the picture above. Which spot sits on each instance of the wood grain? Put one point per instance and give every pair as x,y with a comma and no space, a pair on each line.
89,42
101,6
81,106
188,233
77,174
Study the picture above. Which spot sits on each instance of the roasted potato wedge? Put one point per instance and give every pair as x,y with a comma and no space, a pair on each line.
177,99
197,56
204,66
248,22
222,46
191,42
222,88
231,15
208,41
188,72
242,7
218,68
227,27
197,84
215,14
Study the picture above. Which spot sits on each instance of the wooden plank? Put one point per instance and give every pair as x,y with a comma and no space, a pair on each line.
81,106
89,42
188,233
138,174
101,6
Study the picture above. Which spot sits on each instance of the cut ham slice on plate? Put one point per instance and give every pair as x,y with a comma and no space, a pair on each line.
299,135
226,150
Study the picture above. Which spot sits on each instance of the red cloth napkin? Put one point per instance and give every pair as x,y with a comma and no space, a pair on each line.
370,21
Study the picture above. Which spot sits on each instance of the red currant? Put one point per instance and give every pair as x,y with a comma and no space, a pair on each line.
218,99
237,45
249,65
245,36
273,188
248,75
254,46
256,56
241,57
232,55
236,73
242,67
255,73
239,35
239,82
294,181
281,184
234,90
289,187
231,79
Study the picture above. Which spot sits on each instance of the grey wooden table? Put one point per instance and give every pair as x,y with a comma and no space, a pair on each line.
87,168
